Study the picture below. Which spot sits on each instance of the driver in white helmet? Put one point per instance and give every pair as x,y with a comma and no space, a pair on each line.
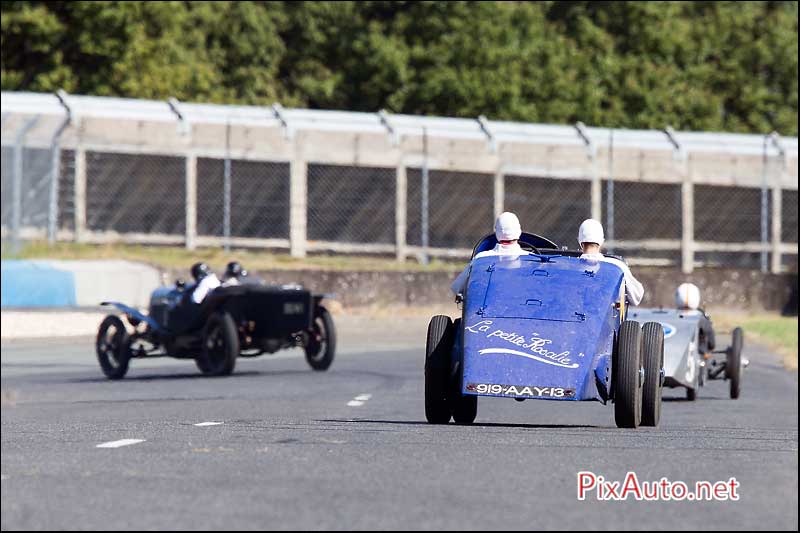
507,229
591,238
687,299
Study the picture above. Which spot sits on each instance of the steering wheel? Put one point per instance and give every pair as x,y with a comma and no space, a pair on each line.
528,247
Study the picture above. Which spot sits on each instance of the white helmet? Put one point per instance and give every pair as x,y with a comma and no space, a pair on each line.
591,230
687,296
507,227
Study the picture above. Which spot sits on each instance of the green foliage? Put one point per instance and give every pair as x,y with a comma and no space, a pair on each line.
694,65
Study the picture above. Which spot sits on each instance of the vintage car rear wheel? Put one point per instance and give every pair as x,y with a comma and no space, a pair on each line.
464,407
653,358
438,350
628,390
321,345
113,347
691,394
733,364
220,345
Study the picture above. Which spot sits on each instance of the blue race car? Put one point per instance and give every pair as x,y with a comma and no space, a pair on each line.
543,325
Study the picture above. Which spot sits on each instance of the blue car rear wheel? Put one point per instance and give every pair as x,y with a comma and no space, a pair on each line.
628,386
464,407
438,350
653,360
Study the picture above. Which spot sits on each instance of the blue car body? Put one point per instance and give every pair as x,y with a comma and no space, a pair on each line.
539,326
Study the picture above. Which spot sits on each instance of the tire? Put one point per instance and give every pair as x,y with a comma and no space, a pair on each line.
321,346
220,345
653,360
438,349
628,390
113,347
464,408
691,394
733,364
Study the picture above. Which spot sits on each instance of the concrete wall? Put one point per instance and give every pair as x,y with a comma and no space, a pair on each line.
738,289
86,283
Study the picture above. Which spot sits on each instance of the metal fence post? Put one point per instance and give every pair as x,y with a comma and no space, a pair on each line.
55,175
191,200
401,209
424,195
16,186
298,203
687,202
777,228
594,175
777,206
610,189
80,193
55,170
687,224
499,190
226,196
764,204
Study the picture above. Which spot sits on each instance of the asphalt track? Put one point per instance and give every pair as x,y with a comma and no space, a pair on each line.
350,449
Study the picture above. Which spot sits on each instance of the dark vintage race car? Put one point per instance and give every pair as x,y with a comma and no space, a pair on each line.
238,321
543,325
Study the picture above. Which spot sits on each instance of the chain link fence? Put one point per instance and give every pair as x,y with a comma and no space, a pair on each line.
351,204
7,201
460,208
98,195
135,193
789,216
146,194
550,207
66,192
257,197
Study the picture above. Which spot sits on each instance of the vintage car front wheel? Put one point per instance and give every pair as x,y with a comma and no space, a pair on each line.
220,345
113,347
628,386
321,344
653,358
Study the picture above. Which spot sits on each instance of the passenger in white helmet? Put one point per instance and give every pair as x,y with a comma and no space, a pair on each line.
687,299
591,238
507,230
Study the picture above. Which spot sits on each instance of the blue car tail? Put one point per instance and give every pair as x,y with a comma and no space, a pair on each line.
540,327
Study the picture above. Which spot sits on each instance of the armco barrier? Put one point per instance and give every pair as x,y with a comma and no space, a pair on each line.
36,284
48,283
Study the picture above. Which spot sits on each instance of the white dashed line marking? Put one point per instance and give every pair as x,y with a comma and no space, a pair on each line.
204,424
119,443
359,400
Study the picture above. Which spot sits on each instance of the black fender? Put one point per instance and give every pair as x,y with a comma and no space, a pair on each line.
135,313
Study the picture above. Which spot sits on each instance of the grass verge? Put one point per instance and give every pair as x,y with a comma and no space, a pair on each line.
177,257
771,329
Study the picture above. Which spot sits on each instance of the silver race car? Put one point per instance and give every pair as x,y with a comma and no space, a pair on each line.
689,350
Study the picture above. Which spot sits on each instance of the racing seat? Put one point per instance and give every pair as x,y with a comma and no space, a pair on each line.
531,239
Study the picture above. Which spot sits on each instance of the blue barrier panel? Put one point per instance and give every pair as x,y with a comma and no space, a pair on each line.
35,284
